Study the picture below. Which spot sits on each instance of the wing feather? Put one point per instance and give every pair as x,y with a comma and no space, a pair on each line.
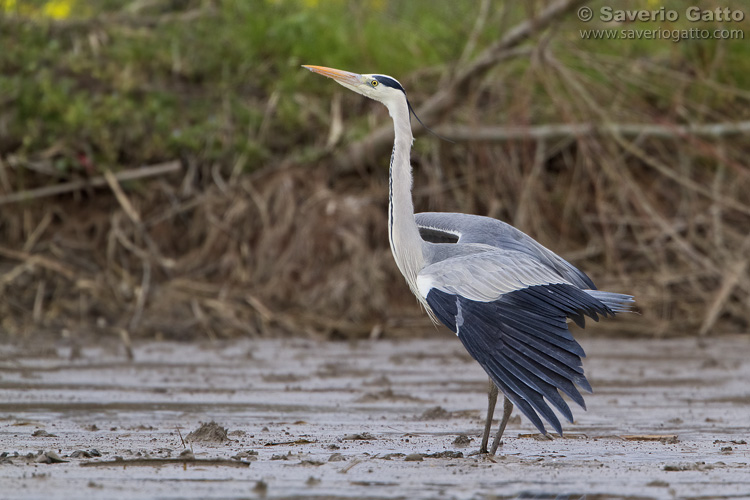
562,378
534,401
487,274
522,341
537,382
441,227
508,299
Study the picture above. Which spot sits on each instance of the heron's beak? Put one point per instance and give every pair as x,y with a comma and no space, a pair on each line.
343,77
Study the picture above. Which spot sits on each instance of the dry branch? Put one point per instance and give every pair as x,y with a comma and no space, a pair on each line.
460,133
125,175
378,141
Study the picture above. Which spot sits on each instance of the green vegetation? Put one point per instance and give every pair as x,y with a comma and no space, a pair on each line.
141,82
195,80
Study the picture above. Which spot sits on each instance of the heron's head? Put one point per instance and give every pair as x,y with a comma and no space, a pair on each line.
382,88
379,87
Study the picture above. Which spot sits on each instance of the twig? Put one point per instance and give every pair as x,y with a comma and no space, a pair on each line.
151,462
132,247
180,435
200,316
471,43
37,233
125,175
10,276
337,122
4,181
36,315
266,122
117,235
127,343
715,208
122,199
529,183
351,465
176,210
140,302
218,179
731,278
31,260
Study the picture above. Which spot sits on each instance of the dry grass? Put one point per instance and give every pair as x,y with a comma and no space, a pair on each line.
271,251
297,250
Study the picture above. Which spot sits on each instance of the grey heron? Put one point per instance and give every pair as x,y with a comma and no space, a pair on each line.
505,296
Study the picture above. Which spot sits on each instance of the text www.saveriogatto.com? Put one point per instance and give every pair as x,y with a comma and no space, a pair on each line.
696,15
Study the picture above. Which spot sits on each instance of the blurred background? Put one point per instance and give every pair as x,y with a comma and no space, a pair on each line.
167,169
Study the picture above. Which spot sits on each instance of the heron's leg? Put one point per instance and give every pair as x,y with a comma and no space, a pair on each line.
491,402
507,410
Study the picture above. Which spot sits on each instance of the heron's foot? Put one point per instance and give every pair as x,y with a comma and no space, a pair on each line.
489,452
480,453
484,450
484,455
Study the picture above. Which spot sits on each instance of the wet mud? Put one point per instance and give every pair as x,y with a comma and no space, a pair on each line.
301,419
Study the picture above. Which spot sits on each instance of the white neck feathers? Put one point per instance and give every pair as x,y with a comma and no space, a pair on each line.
406,244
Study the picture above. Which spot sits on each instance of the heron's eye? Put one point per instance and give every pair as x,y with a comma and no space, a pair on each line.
374,83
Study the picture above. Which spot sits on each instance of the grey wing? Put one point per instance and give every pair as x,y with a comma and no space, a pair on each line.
509,311
440,227
485,273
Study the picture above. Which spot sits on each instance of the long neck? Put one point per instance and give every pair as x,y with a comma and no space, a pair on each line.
406,244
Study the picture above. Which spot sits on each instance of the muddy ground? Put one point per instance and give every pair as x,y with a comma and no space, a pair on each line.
300,419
